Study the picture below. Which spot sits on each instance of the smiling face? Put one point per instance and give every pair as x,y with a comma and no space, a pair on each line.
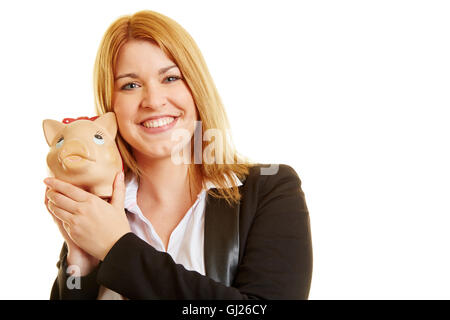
149,85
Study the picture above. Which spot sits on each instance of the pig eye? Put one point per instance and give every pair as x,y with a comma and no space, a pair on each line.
98,139
60,142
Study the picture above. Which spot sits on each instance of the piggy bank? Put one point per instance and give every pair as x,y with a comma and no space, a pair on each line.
84,153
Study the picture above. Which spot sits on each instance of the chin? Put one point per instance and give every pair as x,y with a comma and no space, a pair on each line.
156,153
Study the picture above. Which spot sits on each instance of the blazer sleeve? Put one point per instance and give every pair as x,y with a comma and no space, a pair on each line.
67,287
276,263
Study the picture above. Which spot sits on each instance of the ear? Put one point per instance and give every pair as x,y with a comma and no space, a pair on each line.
51,129
108,122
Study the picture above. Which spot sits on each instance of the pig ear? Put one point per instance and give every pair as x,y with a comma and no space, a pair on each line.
51,129
108,122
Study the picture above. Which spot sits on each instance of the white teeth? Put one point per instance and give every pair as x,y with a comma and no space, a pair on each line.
158,123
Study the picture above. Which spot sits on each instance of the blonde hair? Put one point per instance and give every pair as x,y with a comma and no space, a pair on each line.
179,46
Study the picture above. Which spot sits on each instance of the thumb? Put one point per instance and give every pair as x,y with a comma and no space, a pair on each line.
118,195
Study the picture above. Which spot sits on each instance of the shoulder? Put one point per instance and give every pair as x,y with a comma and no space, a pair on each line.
277,170
267,175
270,181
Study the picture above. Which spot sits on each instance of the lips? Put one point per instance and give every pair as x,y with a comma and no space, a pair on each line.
159,125
158,117
161,122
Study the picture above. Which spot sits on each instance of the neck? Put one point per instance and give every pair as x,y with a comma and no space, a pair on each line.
162,181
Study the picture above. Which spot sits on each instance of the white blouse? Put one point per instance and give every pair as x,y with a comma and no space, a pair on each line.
185,244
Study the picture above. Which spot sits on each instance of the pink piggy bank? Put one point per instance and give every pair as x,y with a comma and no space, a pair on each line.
84,152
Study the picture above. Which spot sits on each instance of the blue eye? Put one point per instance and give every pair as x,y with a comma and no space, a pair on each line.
173,77
98,139
126,87
60,142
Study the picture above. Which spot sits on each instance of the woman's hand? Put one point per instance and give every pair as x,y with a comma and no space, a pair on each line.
72,248
75,255
91,223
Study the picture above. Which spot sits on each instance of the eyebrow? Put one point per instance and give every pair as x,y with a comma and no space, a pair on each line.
134,75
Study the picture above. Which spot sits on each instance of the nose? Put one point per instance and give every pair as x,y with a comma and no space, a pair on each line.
74,147
154,97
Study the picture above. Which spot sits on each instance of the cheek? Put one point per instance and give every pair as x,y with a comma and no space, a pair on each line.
189,109
190,115
52,159
183,97
124,106
110,155
124,116
121,112
189,102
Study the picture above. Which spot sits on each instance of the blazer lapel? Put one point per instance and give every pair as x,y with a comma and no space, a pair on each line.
221,242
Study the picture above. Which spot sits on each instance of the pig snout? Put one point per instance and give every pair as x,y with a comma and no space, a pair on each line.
74,155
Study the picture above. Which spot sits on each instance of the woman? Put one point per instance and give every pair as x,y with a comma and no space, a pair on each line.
213,226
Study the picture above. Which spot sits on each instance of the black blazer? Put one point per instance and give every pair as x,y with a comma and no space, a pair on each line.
258,249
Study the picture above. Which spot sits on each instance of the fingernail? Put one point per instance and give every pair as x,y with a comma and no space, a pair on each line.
48,181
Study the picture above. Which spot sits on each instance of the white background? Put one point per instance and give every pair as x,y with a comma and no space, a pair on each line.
353,94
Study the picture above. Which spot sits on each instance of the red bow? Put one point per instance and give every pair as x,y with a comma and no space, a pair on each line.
69,120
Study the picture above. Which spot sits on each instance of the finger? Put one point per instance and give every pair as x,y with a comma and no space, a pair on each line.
66,227
61,214
62,201
45,196
46,204
69,190
118,195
